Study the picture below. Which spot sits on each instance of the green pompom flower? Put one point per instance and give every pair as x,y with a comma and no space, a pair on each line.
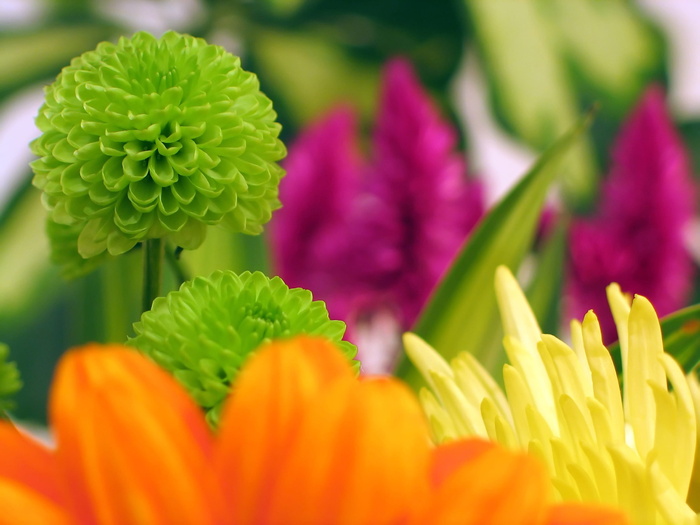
204,332
151,138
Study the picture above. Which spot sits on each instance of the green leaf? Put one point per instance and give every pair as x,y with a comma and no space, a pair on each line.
531,86
545,58
25,57
27,275
610,44
10,382
462,314
330,73
681,333
544,292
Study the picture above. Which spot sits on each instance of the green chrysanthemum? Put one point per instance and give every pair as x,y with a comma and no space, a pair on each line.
10,381
203,332
149,138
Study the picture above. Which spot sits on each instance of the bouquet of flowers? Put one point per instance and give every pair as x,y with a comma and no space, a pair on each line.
400,347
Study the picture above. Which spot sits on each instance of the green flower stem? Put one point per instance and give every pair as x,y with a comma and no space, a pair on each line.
115,308
153,254
173,260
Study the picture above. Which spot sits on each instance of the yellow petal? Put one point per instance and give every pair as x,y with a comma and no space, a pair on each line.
498,428
564,371
620,308
516,315
528,363
424,357
635,494
669,501
694,489
577,344
643,367
606,387
476,383
676,433
273,391
465,415
441,424
133,446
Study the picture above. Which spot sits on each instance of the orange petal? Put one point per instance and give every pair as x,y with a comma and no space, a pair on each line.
361,456
28,463
21,504
492,486
582,514
450,457
273,390
133,446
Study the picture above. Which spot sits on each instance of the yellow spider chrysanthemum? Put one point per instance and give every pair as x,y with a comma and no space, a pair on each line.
565,405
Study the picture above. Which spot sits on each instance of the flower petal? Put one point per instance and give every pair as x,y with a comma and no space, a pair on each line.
489,485
518,319
21,504
28,463
581,514
133,446
643,369
362,451
448,458
274,389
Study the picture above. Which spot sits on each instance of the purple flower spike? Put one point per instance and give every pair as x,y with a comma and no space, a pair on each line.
637,238
418,206
373,240
324,167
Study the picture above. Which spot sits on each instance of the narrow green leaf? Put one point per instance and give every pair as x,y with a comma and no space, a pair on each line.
462,313
544,292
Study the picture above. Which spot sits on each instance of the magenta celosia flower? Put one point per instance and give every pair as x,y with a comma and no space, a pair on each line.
326,168
637,237
375,237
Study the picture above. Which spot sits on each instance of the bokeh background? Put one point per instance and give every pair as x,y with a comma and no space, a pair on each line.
511,75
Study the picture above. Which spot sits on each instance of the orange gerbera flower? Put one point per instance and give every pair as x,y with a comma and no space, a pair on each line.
301,441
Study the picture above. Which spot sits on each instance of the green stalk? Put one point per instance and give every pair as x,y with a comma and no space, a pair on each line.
153,254
172,257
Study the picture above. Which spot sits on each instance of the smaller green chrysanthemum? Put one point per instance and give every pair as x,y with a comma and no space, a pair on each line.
10,381
204,332
150,138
